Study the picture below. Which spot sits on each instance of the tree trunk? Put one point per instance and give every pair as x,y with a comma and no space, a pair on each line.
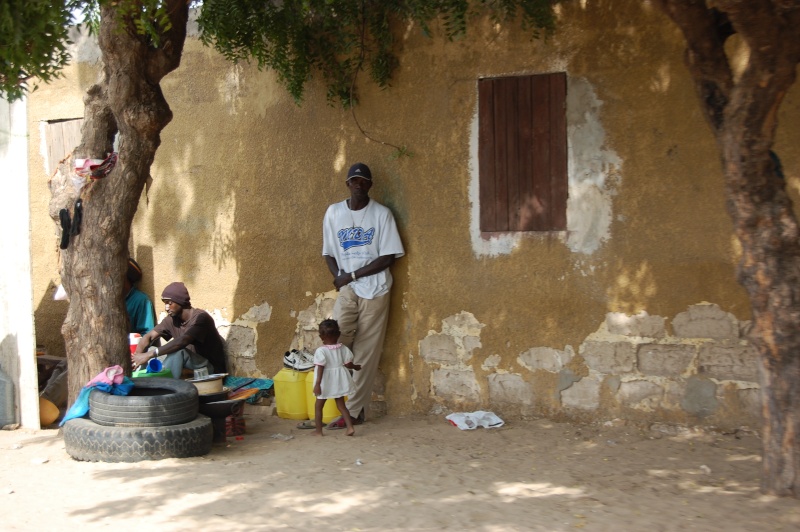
743,116
767,229
128,102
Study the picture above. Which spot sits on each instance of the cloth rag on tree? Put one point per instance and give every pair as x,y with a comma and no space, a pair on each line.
111,380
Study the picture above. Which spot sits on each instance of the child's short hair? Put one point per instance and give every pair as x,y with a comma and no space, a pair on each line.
329,327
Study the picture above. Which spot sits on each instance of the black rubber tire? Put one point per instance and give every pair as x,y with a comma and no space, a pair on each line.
153,402
87,441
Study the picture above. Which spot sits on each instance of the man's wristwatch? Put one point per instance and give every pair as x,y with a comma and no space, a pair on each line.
353,275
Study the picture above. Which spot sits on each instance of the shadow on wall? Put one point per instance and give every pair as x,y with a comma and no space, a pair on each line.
49,315
144,256
259,208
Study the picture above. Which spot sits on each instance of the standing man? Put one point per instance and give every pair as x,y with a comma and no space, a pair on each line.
195,342
139,307
360,242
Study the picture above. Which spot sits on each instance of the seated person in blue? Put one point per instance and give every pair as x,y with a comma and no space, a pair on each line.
194,340
140,309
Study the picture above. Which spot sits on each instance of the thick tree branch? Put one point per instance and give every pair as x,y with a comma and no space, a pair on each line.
167,57
705,33
771,35
97,134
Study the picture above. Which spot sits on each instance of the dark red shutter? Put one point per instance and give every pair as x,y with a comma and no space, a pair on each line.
522,153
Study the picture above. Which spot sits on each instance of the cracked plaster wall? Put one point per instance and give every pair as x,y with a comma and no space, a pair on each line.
702,372
241,335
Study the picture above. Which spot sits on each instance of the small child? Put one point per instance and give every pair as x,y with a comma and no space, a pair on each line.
331,378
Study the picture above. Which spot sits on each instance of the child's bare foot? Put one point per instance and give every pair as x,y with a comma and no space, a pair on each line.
317,433
350,431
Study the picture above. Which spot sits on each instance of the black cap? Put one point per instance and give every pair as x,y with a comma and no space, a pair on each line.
177,293
134,273
359,170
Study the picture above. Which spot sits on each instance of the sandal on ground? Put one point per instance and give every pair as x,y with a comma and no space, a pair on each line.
339,423
308,424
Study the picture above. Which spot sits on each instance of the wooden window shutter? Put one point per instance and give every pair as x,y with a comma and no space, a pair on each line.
522,139
61,136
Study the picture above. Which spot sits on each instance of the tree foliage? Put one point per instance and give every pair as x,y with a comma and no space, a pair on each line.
33,43
150,18
34,35
339,38
335,38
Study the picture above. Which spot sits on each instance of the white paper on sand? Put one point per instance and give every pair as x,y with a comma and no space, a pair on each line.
473,420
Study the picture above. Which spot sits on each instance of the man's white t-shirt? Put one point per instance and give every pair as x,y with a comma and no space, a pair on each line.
356,238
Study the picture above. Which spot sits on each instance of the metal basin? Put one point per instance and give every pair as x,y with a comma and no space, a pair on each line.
213,397
222,409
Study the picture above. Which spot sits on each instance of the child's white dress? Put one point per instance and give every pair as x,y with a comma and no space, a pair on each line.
336,379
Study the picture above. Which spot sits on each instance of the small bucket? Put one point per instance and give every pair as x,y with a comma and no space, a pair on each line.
154,365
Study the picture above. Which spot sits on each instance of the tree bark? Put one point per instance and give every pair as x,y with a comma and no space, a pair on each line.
743,117
127,102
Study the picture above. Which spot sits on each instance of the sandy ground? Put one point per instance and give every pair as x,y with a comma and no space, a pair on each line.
418,473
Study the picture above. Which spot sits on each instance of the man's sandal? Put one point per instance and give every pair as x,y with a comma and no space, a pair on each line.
339,423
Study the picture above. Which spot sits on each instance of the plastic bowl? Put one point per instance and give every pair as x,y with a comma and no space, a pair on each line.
209,384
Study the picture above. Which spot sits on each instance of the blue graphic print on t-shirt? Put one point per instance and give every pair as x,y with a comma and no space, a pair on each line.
352,237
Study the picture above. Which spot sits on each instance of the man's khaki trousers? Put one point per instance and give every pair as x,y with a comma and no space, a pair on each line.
362,323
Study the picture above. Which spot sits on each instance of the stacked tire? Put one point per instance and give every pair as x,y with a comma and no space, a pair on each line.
158,419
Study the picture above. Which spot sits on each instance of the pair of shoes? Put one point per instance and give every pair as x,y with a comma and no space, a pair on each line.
339,423
77,218
70,226
66,227
308,424
298,360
